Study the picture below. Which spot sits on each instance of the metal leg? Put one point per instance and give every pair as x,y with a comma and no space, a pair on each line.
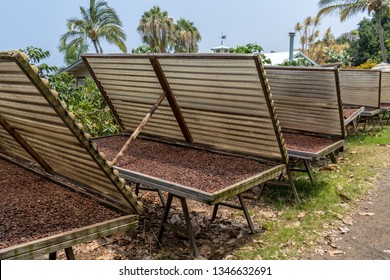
307,166
162,198
261,188
292,185
215,210
190,230
333,157
53,256
165,218
246,213
69,253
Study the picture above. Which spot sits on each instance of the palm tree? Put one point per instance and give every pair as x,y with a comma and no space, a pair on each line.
187,36
349,8
97,22
157,29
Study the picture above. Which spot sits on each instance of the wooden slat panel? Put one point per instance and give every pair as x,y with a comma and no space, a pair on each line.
221,99
37,115
306,100
385,93
225,89
360,87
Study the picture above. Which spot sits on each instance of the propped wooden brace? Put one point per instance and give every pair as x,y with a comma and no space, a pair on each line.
139,128
171,99
25,145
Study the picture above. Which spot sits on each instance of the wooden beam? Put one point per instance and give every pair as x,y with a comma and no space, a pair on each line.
271,109
171,99
25,145
340,102
139,128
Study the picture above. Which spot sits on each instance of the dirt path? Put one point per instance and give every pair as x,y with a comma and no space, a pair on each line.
365,235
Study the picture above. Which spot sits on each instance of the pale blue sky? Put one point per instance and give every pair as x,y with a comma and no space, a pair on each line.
40,23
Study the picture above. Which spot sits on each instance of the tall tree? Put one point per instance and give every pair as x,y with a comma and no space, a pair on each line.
157,29
187,37
349,8
98,22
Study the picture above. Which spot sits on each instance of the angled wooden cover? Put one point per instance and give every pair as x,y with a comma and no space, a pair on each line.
223,100
360,87
385,91
36,127
307,99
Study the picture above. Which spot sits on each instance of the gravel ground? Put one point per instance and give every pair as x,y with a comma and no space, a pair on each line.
33,207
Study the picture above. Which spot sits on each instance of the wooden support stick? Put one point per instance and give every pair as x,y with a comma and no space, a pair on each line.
139,128
171,99
25,145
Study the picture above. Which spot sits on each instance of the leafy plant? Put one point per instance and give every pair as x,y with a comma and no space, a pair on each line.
36,55
87,103
251,48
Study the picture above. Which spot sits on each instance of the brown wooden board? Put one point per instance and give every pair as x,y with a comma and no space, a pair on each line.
307,99
361,87
42,131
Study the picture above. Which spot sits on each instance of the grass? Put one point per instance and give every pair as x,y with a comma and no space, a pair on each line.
297,228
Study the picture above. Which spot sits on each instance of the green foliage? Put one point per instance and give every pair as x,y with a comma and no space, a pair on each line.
87,103
251,48
145,49
348,8
36,55
367,45
297,62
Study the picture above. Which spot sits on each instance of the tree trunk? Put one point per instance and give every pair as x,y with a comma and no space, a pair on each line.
96,46
381,36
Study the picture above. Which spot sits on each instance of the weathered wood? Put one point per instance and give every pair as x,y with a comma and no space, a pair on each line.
139,128
36,113
25,145
68,239
209,90
171,99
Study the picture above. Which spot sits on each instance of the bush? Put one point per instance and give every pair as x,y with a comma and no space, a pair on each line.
87,103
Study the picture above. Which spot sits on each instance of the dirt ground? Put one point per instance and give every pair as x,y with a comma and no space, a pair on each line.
362,235
365,235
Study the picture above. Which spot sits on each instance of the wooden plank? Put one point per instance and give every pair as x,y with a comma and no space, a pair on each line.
68,239
171,99
138,129
271,109
25,145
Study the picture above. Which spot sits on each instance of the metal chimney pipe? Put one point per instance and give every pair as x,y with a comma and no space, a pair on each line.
291,51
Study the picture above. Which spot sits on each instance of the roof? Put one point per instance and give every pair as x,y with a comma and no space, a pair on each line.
222,47
280,57
36,128
78,65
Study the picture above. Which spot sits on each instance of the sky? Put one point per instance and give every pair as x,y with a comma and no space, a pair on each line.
40,23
